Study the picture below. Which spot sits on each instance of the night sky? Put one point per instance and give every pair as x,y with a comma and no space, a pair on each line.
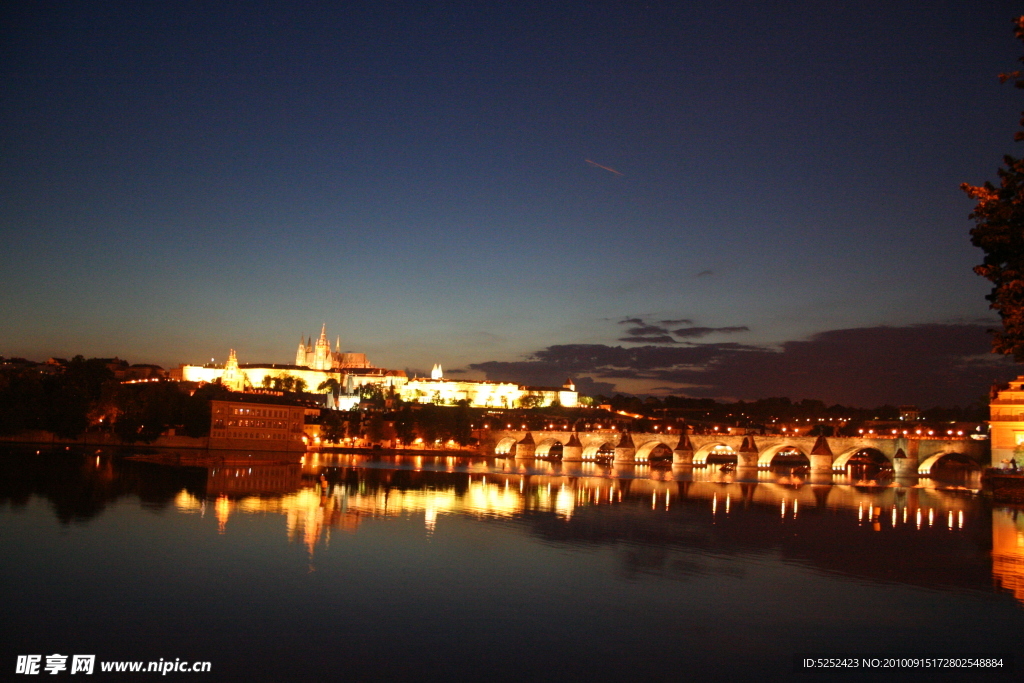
735,200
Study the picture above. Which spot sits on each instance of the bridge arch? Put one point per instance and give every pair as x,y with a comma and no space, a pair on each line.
876,456
643,453
549,448
506,446
767,455
595,451
926,467
715,450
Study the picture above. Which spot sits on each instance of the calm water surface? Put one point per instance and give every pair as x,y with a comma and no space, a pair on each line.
345,567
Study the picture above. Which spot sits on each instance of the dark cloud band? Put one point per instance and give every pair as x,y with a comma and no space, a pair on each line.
926,365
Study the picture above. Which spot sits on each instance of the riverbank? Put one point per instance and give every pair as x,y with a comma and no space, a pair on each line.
1005,487
101,440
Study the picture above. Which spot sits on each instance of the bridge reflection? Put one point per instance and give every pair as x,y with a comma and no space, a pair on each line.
839,525
504,487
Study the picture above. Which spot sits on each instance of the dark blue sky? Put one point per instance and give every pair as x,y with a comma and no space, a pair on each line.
179,178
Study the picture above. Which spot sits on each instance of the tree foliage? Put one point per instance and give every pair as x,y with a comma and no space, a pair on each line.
83,395
328,386
999,233
530,401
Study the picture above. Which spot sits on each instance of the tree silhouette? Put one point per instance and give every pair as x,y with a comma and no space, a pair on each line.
999,233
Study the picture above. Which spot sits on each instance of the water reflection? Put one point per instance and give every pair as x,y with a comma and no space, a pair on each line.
921,532
820,525
1008,550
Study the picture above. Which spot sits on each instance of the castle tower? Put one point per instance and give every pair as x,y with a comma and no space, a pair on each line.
436,372
232,377
300,355
322,351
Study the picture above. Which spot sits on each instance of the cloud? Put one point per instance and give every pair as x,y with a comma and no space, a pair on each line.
926,365
607,168
691,332
587,386
552,364
647,329
660,339
705,273
644,332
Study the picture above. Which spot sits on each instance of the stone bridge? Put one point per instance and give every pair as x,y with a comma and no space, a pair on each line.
906,455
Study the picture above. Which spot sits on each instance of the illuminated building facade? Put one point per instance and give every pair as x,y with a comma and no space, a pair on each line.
245,425
437,389
1006,417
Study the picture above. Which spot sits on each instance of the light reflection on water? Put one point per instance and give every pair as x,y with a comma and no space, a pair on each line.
340,491
523,546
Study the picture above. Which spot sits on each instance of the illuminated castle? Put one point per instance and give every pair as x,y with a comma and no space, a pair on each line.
316,363
319,356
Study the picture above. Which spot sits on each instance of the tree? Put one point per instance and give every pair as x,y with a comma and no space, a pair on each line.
372,394
332,426
72,394
462,429
286,382
328,386
999,233
530,401
405,424
375,428
822,430
195,417
22,400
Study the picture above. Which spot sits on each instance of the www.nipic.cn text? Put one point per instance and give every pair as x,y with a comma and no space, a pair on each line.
31,665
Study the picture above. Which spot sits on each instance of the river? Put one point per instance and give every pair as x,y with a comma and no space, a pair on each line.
350,567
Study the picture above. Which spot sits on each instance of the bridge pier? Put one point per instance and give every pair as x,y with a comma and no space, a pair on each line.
747,456
902,466
572,450
821,456
683,452
820,464
526,449
746,460
626,450
905,462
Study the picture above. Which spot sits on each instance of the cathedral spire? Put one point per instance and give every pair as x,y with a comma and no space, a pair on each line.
322,351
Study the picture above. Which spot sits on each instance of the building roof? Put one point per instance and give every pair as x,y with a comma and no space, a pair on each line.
266,399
